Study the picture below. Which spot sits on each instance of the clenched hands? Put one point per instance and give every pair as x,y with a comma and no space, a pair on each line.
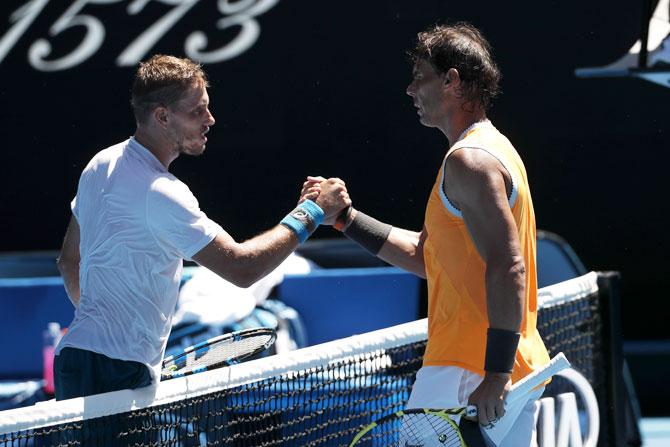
330,194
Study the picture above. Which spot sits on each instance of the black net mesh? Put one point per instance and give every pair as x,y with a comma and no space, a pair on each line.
577,328
324,405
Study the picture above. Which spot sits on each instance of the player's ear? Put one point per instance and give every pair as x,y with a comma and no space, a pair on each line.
451,77
160,114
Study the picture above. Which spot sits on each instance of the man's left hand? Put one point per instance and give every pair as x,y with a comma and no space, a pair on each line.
489,397
311,188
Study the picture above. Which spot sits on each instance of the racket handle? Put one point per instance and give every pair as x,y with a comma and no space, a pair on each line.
471,411
524,386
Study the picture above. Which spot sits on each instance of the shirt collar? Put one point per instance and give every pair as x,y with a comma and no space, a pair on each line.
145,154
476,125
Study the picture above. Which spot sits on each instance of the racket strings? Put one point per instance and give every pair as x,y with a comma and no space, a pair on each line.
231,349
414,430
228,350
429,430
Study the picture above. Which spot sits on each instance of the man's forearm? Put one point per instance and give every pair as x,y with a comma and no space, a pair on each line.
399,247
245,263
260,255
404,249
505,289
506,294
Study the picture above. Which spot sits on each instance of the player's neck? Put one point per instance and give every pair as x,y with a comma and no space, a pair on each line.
159,148
461,122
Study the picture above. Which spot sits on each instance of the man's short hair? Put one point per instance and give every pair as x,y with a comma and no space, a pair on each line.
162,80
463,47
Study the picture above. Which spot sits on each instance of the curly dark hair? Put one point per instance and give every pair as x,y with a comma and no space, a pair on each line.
463,47
162,80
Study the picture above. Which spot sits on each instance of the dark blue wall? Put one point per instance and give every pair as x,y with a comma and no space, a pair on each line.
322,91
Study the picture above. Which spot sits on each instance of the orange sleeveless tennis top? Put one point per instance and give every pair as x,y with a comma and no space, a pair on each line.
457,316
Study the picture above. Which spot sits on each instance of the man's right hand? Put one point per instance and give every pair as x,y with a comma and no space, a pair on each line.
311,189
330,194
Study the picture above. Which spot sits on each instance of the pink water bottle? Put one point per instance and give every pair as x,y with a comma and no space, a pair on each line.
52,336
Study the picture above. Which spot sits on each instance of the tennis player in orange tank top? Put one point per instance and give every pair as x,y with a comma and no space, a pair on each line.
477,247
457,297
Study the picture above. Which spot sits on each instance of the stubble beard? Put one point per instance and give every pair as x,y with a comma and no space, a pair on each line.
182,149
190,152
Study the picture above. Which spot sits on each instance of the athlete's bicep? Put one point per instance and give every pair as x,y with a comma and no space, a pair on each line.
476,183
218,254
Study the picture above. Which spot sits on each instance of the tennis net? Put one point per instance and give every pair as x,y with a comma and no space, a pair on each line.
317,396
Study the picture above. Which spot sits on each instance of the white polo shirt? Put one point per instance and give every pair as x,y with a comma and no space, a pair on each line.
137,223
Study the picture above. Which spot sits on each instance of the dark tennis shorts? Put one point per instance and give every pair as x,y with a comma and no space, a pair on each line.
78,372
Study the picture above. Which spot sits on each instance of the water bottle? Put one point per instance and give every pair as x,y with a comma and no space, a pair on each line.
52,336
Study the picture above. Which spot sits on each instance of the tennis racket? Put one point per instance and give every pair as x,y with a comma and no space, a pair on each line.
224,350
433,427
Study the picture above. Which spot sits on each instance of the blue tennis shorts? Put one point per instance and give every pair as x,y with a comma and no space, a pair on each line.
78,372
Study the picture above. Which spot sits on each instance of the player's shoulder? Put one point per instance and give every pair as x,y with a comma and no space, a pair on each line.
470,161
167,190
105,156
166,183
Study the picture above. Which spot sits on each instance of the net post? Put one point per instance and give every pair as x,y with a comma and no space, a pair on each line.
647,13
608,285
